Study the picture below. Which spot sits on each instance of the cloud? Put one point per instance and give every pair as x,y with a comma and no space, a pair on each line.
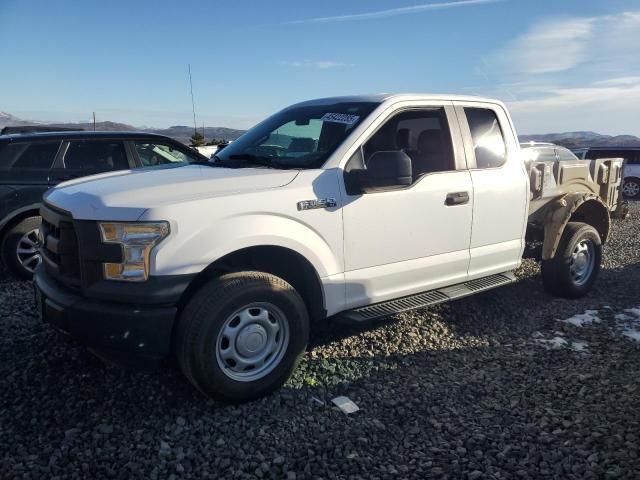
619,81
607,43
319,65
577,73
599,93
393,12
553,46
604,106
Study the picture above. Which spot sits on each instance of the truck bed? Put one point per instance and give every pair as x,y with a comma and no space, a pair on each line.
550,180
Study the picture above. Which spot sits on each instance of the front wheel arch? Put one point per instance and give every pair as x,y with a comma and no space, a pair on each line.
282,262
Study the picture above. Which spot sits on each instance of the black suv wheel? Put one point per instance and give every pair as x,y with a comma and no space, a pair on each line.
20,248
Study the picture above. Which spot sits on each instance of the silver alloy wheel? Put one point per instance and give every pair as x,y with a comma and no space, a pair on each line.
582,263
630,189
28,252
252,342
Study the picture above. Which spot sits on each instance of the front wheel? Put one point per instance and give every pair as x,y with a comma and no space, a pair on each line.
240,337
20,248
573,270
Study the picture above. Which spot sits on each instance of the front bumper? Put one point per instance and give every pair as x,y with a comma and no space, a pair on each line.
127,329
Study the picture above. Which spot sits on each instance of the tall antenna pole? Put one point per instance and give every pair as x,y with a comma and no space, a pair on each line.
94,121
193,104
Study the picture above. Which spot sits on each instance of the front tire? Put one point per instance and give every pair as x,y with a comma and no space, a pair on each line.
20,248
241,336
575,267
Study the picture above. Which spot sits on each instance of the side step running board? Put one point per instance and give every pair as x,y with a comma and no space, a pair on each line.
432,297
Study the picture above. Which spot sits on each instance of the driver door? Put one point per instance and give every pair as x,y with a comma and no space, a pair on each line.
406,240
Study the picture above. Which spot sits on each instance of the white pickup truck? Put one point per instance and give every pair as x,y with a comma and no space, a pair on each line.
357,206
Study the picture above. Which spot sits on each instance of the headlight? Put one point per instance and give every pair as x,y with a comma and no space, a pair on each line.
137,241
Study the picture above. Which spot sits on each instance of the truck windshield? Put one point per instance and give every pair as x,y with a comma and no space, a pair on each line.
296,138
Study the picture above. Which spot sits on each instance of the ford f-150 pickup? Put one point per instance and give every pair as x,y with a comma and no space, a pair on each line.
357,206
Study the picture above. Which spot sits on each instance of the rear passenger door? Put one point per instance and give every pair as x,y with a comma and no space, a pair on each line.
90,157
406,240
500,185
24,174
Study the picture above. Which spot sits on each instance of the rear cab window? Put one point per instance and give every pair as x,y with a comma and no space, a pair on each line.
488,139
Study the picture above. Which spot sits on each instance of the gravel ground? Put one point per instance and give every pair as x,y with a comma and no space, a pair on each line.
493,386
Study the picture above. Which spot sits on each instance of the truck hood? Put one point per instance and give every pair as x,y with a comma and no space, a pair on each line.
125,195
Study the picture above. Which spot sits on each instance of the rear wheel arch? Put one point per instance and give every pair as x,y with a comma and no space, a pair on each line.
579,207
282,262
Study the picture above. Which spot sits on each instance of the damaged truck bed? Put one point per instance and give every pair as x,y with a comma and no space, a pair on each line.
569,189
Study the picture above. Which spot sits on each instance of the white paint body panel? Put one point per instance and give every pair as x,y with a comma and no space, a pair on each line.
500,204
369,248
395,242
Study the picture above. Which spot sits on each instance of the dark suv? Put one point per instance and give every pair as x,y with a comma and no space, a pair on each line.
32,163
631,172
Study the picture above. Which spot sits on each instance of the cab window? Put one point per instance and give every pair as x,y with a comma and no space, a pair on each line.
423,135
488,141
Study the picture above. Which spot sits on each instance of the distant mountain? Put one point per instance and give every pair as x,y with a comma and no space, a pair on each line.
102,126
181,133
584,139
6,119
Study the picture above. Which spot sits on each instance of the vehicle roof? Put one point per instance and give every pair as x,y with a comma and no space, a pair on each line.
538,144
394,97
609,148
80,134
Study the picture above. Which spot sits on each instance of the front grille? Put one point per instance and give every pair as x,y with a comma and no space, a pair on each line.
60,252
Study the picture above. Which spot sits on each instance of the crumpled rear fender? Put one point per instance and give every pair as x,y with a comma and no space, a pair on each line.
579,207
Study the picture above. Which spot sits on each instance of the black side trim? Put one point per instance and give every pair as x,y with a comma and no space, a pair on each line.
431,297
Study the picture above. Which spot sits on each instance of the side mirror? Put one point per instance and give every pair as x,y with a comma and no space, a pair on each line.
385,170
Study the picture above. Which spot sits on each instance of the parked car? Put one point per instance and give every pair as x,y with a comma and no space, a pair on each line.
631,173
354,206
32,163
210,151
539,151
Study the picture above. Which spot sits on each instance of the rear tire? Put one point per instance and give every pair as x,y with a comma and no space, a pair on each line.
575,267
241,336
20,248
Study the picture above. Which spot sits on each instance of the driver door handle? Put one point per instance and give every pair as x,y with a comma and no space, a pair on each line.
456,198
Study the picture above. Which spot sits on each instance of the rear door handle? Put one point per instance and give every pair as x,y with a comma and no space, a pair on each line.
456,198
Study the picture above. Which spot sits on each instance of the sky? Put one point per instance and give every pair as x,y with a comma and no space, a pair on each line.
560,65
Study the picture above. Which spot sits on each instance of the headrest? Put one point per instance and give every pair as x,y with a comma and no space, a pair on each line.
402,138
430,141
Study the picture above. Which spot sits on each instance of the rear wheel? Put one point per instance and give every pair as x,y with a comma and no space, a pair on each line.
631,188
20,248
241,336
573,270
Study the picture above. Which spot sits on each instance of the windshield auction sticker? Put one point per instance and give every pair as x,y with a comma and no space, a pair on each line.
344,118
